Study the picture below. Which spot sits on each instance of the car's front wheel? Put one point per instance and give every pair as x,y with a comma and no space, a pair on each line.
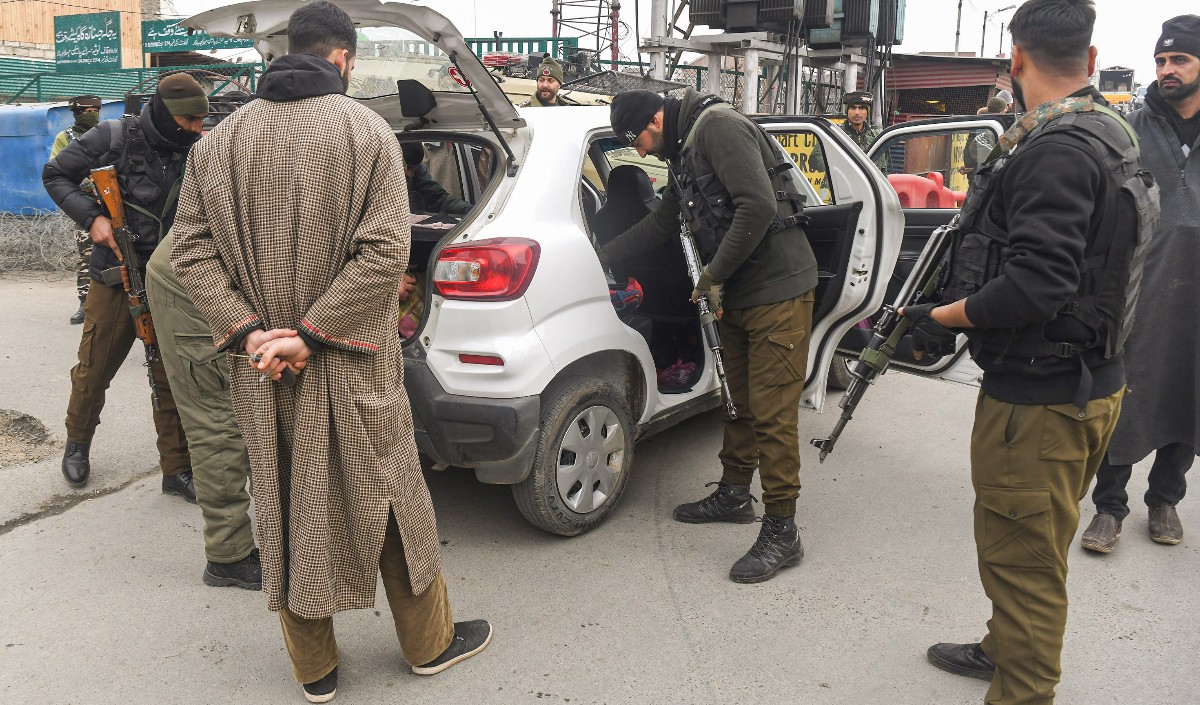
839,372
583,459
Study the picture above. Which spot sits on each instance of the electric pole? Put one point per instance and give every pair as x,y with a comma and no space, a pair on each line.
958,27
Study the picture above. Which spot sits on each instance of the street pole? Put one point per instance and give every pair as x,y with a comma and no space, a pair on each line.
1000,47
958,27
658,30
983,38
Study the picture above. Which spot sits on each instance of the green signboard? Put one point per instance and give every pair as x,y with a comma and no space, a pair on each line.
90,42
166,35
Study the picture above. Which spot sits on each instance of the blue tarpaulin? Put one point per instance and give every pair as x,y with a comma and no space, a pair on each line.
26,134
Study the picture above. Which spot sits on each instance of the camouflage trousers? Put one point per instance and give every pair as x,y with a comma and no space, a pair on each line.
83,243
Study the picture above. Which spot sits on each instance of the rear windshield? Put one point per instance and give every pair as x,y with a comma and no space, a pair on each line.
388,54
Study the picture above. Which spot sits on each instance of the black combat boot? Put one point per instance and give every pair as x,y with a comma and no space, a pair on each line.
75,465
181,485
77,317
246,573
778,546
731,503
968,660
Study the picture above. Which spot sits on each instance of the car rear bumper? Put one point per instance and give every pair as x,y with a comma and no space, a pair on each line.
496,437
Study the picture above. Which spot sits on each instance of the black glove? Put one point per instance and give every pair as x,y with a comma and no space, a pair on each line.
929,337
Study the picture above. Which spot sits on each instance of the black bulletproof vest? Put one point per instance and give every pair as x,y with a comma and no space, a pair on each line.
1108,290
705,203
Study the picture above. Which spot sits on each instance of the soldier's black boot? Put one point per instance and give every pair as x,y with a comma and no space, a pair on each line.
246,573
181,485
778,546
77,317
731,503
75,464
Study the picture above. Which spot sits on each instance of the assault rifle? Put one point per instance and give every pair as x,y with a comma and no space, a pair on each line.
873,361
708,317
130,268
707,309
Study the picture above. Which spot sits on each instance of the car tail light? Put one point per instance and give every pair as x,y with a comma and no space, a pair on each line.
487,270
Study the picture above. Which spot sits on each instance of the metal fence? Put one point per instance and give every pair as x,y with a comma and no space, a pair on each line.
44,87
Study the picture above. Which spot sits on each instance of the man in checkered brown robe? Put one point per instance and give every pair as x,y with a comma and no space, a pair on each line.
292,236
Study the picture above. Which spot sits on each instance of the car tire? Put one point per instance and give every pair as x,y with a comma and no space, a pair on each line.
583,459
839,372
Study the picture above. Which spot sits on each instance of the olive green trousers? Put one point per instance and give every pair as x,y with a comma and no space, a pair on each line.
766,355
198,376
1030,467
424,623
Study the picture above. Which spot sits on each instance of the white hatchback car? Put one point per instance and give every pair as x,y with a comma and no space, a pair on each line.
517,363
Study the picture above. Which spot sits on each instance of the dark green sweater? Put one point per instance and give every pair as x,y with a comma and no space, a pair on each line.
756,269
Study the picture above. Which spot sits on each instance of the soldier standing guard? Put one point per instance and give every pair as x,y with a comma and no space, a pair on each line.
86,109
549,81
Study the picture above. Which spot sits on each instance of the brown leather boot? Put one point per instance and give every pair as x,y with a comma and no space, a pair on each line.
1165,526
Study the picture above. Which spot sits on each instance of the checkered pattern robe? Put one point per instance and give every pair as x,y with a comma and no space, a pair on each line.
295,215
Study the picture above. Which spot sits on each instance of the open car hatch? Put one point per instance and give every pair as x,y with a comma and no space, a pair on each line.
396,41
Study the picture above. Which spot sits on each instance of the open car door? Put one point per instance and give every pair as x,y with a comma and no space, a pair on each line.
930,165
855,227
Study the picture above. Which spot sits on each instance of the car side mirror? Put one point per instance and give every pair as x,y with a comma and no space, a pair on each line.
416,100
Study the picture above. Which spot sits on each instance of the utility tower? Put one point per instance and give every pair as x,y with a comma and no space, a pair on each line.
597,24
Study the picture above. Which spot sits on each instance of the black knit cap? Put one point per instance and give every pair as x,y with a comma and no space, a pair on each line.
1181,34
631,112
81,102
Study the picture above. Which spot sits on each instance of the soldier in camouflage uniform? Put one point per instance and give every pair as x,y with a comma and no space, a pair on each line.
858,110
86,109
549,81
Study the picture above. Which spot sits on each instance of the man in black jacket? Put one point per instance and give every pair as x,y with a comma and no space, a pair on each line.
760,270
1056,222
148,152
1161,415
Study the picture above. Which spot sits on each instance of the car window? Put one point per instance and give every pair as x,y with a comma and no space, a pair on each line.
388,54
934,170
616,154
806,150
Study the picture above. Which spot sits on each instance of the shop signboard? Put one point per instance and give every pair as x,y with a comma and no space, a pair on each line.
166,35
88,42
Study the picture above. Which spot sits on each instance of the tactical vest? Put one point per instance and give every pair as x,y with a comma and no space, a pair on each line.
704,201
150,182
1112,266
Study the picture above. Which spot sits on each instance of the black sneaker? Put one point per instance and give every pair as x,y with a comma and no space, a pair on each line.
322,691
731,503
181,485
778,546
246,573
469,639
77,317
962,660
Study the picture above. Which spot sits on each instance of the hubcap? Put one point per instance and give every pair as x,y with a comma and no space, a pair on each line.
591,458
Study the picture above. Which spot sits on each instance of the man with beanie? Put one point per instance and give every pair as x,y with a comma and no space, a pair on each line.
86,109
549,81
306,280
758,269
148,152
1161,415
1048,246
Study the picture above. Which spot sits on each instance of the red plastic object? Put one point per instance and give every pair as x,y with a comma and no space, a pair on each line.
925,191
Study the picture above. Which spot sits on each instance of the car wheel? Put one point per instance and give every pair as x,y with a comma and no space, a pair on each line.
583,459
839,372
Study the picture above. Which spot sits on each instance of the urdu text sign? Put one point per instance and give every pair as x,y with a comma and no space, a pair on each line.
89,42
166,35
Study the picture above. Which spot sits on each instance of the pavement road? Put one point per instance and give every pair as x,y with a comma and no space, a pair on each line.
101,600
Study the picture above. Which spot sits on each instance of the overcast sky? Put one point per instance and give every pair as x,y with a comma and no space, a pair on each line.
1125,31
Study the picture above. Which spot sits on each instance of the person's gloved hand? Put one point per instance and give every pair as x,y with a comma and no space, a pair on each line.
710,287
929,336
